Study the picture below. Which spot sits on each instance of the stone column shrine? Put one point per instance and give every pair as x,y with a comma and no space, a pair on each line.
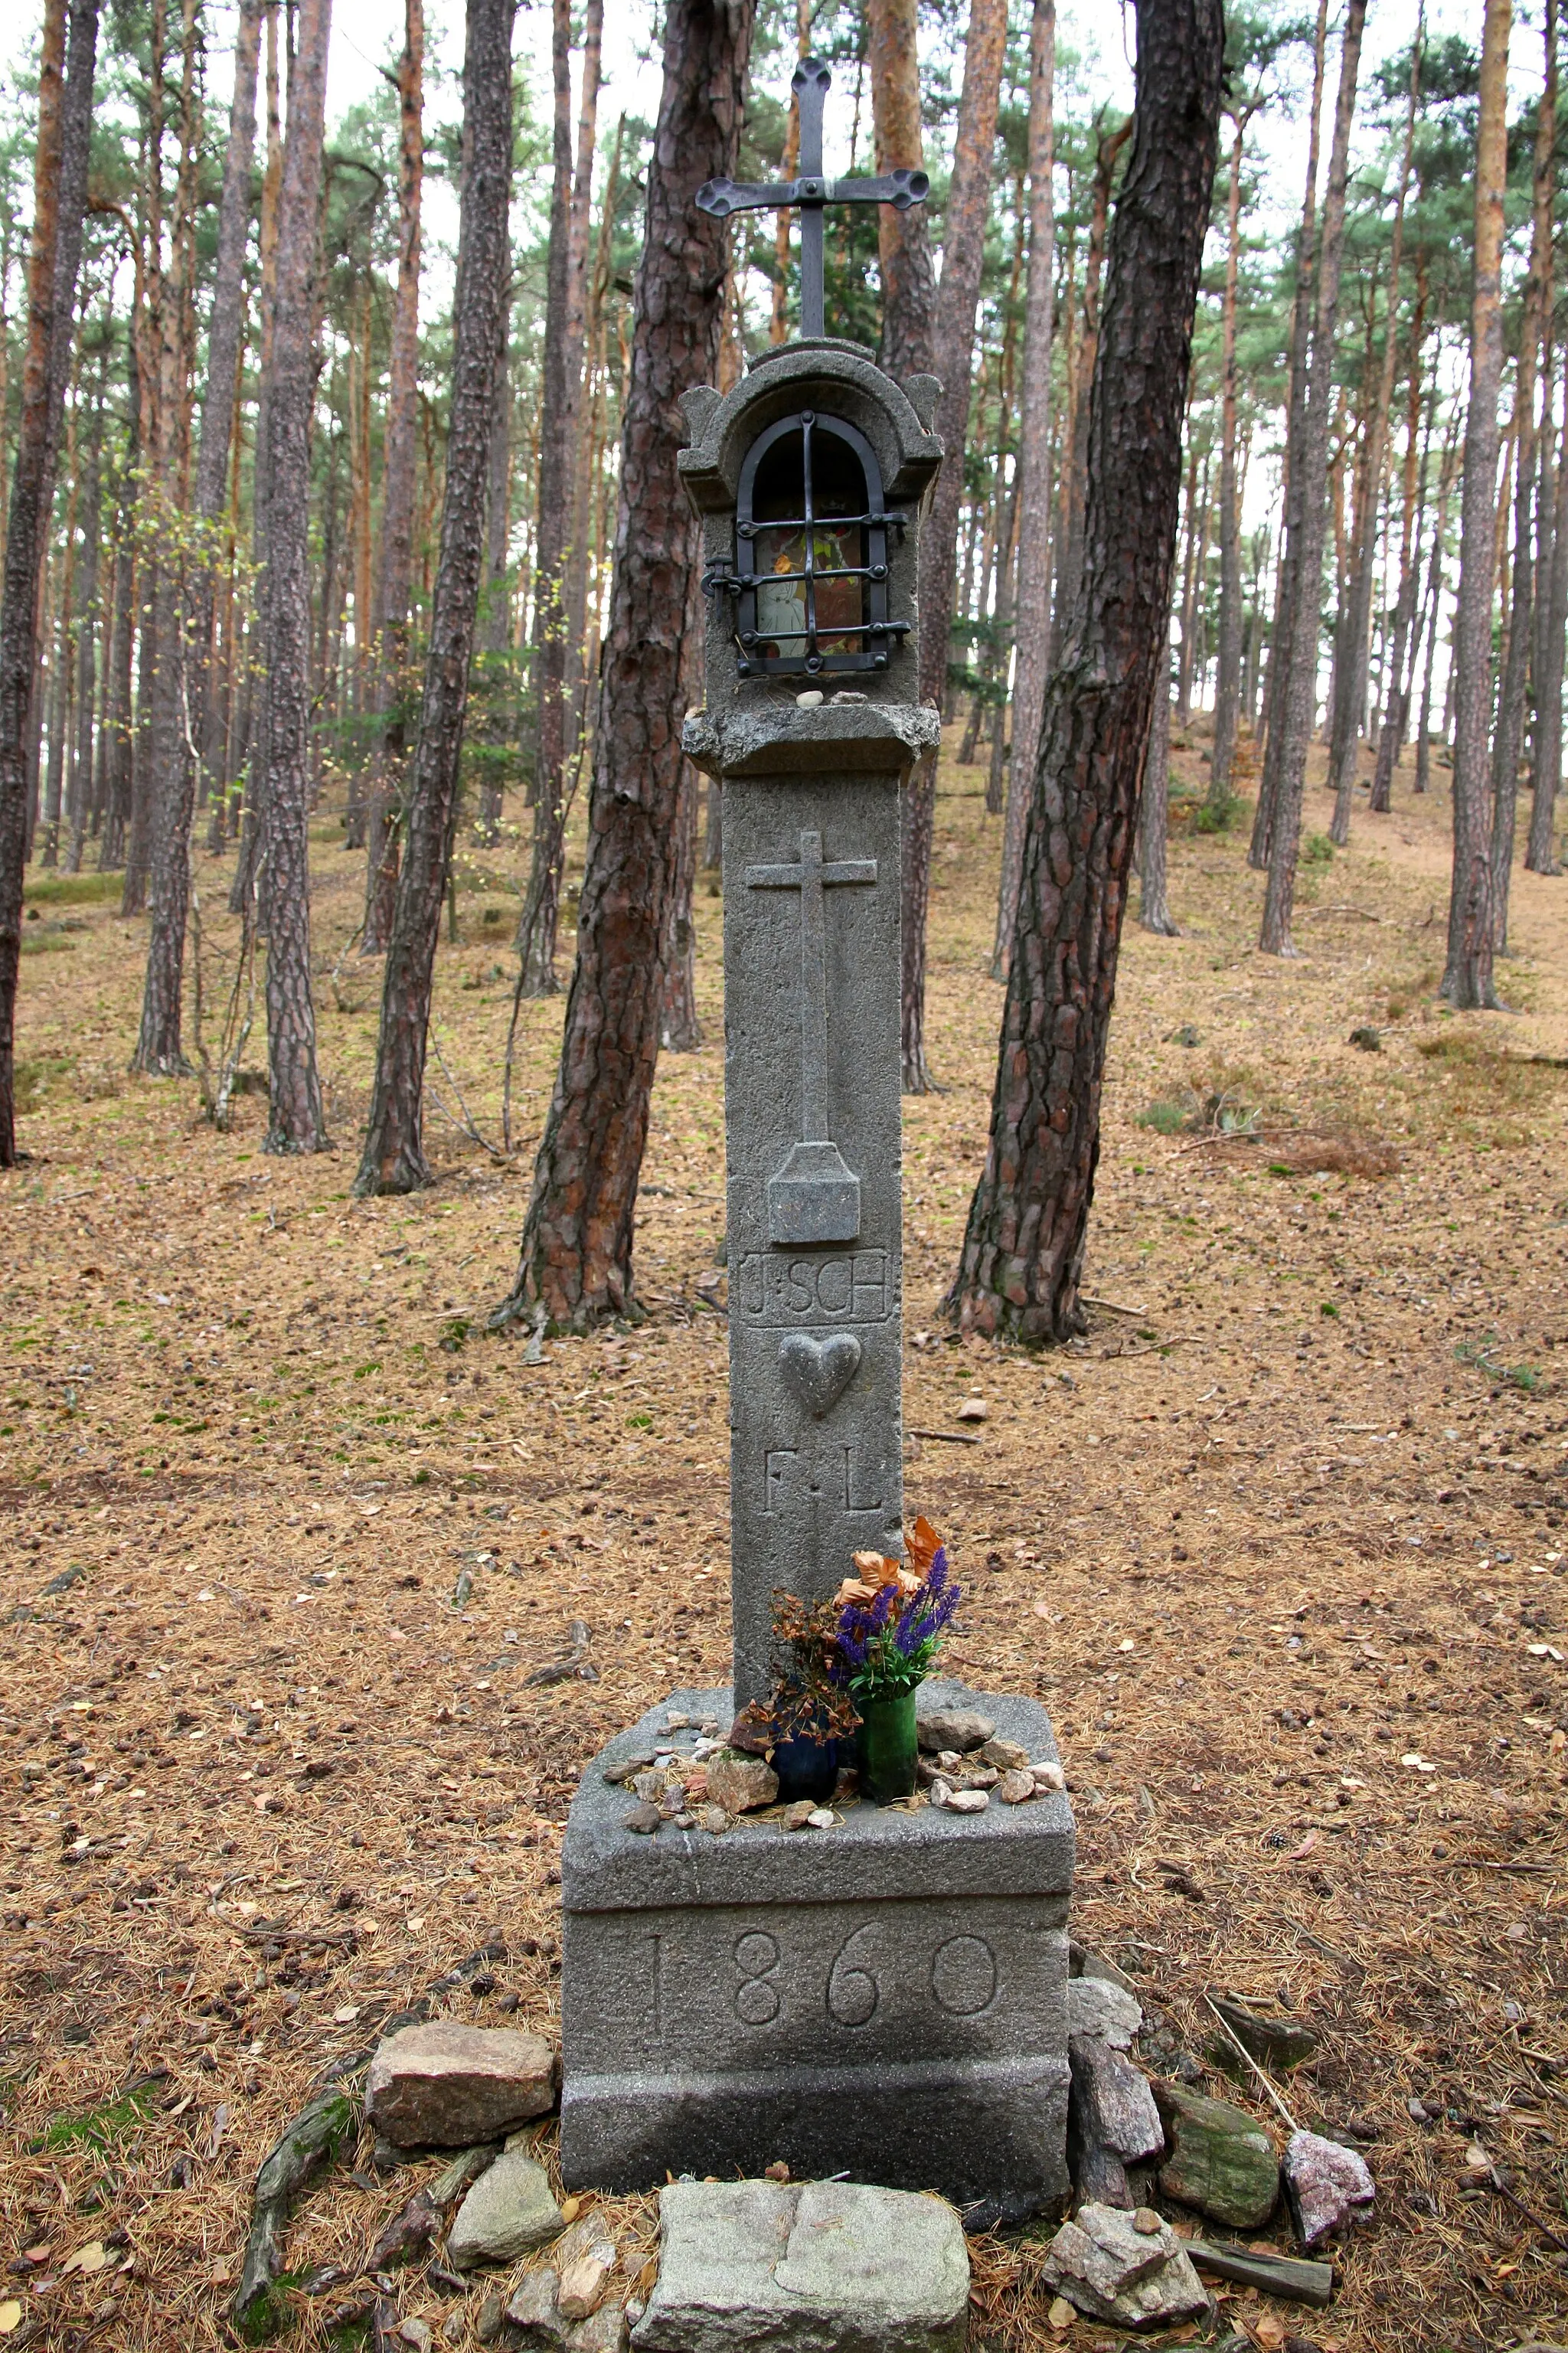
886,1998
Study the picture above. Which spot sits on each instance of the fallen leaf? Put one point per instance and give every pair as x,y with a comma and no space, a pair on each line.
1061,2315
10,2316
345,2014
570,2209
413,1927
90,2258
1270,2332
1308,1843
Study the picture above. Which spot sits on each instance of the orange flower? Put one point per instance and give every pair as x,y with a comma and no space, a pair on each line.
921,1544
854,1590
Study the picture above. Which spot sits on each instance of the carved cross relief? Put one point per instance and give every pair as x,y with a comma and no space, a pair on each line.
812,1196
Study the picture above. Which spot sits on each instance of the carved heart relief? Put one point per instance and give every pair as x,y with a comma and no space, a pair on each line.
817,1372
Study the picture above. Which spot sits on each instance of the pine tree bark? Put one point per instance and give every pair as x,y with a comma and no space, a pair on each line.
1468,977
493,640
575,1265
1281,634
1107,147
59,199
1153,821
1298,708
298,1121
1033,631
1023,1250
394,1160
903,239
399,467
952,349
1509,739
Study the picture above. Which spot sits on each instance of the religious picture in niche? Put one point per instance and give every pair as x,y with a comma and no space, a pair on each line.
810,556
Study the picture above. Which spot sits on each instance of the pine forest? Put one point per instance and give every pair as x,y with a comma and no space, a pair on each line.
365,1421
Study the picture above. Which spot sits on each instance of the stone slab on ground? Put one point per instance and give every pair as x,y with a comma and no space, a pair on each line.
446,2085
886,1999
510,2210
826,2267
1222,2161
1129,2268
1326,2183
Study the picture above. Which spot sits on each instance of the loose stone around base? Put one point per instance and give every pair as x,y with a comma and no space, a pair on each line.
887,1999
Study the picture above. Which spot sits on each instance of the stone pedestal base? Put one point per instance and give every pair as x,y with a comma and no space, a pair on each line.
885,1999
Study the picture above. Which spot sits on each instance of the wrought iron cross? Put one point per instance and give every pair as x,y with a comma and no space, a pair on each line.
811,82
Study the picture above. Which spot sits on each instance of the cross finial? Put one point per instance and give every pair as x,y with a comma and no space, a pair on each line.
811,82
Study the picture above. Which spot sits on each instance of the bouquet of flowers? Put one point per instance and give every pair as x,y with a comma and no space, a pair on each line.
810,1699
892,1615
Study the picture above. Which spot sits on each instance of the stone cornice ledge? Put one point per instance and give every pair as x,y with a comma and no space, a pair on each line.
778,739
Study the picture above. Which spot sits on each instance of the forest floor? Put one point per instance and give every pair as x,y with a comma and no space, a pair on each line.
1281,1545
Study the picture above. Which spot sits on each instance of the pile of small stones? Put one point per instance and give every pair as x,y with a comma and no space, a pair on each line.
707,1786
964,1784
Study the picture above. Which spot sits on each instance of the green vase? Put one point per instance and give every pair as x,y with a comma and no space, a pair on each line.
889,1748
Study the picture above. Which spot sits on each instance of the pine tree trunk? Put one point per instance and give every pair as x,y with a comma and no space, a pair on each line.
1197,564
559,384
1033,632
1154,820
680,1032
243,896
1417,465
1350,711
58,633
903,239
79,798
400,465
1227,684
1075,472
1541,853
184,585
64,124
575,1264
953,347
297,1122
494,632
1023,1250
1281,634
394,1160
583,308
114,751
1508,740
1299,709
1468,977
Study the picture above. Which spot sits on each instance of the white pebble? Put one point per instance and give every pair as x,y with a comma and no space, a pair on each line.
969,1801
821,1818
1049,1777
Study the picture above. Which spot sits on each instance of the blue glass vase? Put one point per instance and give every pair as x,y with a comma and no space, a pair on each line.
806,1768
